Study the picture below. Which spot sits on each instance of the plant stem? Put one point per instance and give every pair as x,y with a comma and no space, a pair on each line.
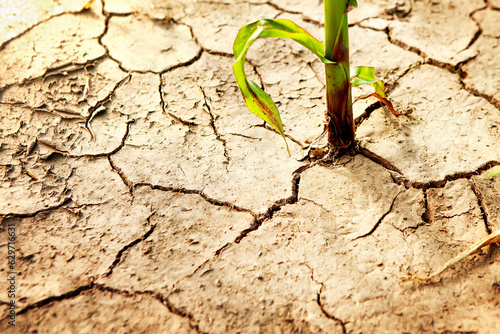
340,120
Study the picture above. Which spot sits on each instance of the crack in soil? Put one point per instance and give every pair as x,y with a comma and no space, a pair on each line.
165,301
101,287
217,53
282,10
192,60
109,15
429,60
122,175
479,30
427,215
48,300
482,206
67,68
380,219
490,99
258,220
207,107
65,201
100,105
22,33
316,74
457,69
391,87
257,73
130,245
292,199
63,69
327,314
378,159
317,204
194,191
157,296
402,180
164,105
366,114
320,304
63,153
288,11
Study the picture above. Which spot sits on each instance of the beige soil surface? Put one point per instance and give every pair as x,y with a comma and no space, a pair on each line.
146,198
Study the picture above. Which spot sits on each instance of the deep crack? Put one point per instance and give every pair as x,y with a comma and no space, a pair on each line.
374,228
194,191
100,105
479,30
378,159
130,245
427,216
455,69
292,199
65,201
402,180
207,107
122,175
51,299
259,220
491,99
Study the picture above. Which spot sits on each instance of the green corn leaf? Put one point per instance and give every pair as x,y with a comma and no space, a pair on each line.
363,75
256,100
491,173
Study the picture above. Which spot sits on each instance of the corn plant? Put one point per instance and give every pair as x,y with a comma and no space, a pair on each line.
334,53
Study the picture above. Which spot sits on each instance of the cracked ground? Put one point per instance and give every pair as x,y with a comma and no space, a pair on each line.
147,199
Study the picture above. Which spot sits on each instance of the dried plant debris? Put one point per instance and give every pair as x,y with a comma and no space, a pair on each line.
494,237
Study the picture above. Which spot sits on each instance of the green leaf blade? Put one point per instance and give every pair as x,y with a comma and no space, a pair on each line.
491,173
364,75
256,100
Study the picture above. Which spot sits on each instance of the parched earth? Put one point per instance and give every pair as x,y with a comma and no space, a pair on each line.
146,198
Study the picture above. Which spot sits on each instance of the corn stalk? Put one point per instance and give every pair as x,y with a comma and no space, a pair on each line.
334,54
340,122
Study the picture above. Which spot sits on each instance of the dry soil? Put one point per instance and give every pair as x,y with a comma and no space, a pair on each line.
146,198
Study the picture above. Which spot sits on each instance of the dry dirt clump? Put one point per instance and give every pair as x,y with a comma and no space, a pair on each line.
145,198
